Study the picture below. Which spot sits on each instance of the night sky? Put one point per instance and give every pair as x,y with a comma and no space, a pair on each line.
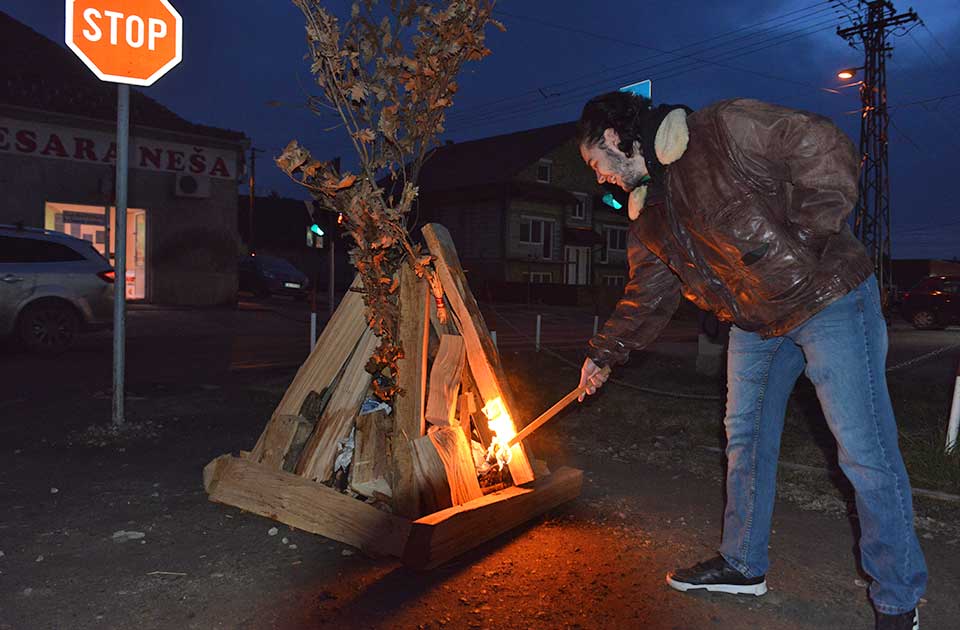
243,69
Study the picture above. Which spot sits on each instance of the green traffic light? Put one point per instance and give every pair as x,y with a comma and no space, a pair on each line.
316,229
612,202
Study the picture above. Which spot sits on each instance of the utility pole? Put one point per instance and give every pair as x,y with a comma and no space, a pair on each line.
253,202
872,216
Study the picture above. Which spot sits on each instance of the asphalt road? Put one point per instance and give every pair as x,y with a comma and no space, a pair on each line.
221,345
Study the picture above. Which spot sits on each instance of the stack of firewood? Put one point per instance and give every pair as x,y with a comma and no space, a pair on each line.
406,481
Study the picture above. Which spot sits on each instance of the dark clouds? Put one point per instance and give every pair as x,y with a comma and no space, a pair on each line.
240,55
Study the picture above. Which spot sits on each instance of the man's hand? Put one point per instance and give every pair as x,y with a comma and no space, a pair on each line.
592,377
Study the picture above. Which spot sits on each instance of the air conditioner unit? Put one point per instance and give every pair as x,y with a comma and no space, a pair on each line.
197,186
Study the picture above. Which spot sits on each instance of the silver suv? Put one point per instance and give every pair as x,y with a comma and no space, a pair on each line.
52,286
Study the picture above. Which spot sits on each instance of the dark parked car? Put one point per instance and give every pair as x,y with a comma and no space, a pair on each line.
269,275
933,303
52,287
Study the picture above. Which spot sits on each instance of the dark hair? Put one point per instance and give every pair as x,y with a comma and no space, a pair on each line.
621,111
633,118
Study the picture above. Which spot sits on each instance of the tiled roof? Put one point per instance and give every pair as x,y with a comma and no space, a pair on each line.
38,73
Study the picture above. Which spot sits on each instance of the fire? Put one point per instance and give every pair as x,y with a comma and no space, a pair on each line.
502,426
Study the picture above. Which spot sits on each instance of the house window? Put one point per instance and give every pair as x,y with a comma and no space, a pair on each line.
544,168
580,209
613,281
538,277
539,232
616,239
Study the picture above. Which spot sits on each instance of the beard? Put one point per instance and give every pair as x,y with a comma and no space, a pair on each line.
631,174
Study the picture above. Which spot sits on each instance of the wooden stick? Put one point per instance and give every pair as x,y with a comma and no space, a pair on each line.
550,413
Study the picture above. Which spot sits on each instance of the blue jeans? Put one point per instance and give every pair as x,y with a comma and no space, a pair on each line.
843,350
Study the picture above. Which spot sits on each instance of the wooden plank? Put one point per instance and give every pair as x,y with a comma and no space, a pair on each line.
370,469
304,430
445,381
408,408
465,403
481,353
436,538
304,504
443,469
276,440
336,342
480,422
316,462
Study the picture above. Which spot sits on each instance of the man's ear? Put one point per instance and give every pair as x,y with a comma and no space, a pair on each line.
611,137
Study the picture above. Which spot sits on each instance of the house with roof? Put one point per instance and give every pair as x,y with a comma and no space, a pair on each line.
523,208
57,171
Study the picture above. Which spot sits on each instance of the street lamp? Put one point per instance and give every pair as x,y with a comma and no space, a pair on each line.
848,73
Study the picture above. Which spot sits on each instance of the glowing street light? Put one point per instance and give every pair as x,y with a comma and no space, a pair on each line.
848,73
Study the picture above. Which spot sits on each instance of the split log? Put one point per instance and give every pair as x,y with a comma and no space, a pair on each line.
445,381
408,407
304,504
443,469
371,457
481,353
466,409
336,342
320,452
480,421
436,538
277,439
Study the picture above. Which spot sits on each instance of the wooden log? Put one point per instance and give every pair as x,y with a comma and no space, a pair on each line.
304,504
481,353
436,538
444,381
316,462
276,440
480,421
371,457
466,401
443,469
336,342
408,407
304,430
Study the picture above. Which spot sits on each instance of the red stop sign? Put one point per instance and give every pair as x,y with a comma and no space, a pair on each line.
125,41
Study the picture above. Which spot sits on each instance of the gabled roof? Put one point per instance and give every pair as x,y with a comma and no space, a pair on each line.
492,160
37,73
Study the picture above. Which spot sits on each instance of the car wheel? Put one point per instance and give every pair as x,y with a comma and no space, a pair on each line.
48,327
924,320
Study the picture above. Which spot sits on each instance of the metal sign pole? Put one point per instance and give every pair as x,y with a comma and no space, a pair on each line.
120,250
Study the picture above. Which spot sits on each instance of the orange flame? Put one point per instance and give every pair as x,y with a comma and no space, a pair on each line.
502,426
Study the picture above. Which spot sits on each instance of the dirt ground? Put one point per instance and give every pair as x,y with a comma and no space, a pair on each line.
652,500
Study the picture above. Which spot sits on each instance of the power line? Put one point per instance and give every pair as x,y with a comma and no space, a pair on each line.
632,64
927,100
937,42
573,96
589,88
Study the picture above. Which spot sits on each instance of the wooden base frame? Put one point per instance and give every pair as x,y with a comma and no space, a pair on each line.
421,544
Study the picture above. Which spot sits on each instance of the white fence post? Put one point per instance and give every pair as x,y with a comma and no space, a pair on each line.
954,426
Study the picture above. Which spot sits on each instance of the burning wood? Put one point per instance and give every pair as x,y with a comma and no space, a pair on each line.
286,477
506,438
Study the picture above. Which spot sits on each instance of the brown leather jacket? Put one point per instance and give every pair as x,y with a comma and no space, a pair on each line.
751,225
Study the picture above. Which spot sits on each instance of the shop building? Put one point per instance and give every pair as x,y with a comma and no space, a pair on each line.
57,156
